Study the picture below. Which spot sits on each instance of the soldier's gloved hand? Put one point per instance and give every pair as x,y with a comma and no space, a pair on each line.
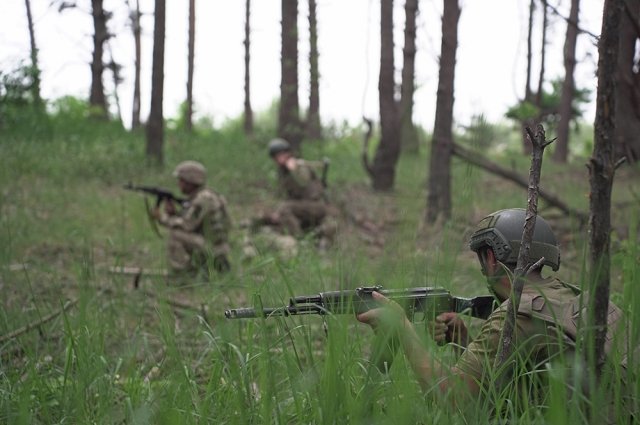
389,317
155,213
449,327
169,207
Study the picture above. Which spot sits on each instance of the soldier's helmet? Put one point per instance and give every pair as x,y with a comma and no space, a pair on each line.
278,145
502,232
192,172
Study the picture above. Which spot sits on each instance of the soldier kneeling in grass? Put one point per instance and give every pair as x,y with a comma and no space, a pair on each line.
198,232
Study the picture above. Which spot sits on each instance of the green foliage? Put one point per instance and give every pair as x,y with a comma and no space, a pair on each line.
125,355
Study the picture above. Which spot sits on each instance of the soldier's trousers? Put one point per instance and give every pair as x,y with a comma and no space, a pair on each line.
189,252
299,216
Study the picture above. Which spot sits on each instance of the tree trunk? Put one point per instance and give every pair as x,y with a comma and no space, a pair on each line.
561,151
408,134
626,140
35,69
188,119
439,196
314,129
155,124
601,171
384,163
136,28
289,127
528,94
97,99
543,51
248,112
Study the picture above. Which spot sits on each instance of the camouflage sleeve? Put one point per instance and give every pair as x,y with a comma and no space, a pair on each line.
479,356
219,222
302,174
192,218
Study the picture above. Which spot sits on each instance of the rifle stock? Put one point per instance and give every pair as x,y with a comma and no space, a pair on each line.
427,302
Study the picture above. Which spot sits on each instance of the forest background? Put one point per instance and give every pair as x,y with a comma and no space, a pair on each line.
81,344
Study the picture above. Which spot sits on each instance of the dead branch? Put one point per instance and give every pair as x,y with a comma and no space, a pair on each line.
37,324
478,160
523,267
365,148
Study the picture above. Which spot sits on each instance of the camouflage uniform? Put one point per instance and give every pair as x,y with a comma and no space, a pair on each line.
546,331
198,234
305,207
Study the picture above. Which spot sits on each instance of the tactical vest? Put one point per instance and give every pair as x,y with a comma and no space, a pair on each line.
570,316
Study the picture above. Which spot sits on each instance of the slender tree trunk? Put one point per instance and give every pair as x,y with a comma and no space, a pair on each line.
35,69
601,170
561,151
135,25
627,142
527,86
408,134
439,190
314,128
543,51
115,73
289,127
384,162
188,119
97,99
155,124
248,112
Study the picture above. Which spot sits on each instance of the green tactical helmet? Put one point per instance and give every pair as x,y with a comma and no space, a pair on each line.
502,232
278,145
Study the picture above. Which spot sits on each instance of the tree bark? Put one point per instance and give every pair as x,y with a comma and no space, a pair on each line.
155,124
137,30
248,112
35,69
626,139
601,171
561,151
528,93
97,99
439,190
188,119
314,129
408,134
543,55
289,127
388,150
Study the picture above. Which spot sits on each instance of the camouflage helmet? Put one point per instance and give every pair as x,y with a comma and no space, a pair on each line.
502,232
192,172
278,145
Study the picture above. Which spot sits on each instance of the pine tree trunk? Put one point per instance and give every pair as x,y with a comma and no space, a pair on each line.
289,127
97,99
155,124
601,171
388,151
561,151
35,69
408,134
439,193
314,129
627,142
248,112
188,119
137,30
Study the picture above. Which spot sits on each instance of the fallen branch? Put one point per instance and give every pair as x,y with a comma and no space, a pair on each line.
478,160
39,323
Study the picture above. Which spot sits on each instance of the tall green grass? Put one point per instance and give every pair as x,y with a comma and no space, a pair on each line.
122,356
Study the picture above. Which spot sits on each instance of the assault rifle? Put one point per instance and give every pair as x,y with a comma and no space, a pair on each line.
159,193
426,301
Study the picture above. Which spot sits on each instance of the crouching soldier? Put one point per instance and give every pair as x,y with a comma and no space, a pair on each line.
198,231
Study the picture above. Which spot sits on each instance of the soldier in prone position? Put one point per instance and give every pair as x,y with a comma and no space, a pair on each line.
547,328
198,233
